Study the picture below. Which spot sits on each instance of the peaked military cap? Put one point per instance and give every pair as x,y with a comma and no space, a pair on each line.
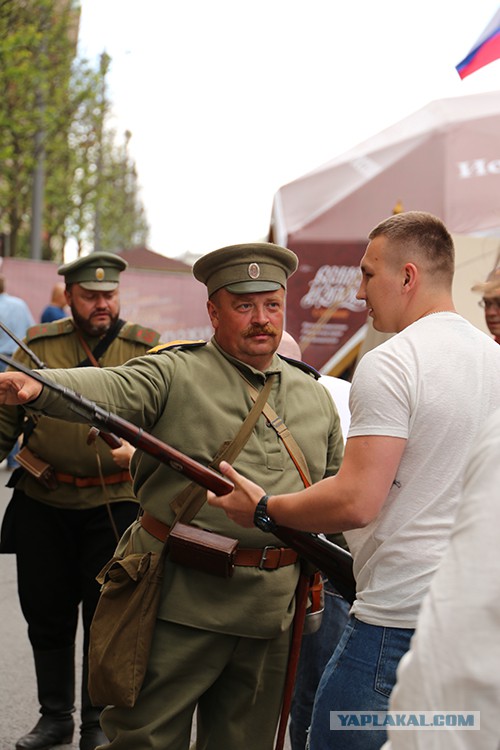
96,271
245,269
491,287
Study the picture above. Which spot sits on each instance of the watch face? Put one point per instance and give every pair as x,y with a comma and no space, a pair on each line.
264,522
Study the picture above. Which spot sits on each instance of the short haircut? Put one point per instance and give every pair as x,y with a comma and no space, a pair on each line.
423,235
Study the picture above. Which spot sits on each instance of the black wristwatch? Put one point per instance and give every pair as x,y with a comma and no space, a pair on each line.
260,517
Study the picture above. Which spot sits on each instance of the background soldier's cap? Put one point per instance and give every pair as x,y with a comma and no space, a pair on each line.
96,271
490,287
246,269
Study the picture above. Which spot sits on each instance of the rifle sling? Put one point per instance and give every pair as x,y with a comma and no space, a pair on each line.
93,359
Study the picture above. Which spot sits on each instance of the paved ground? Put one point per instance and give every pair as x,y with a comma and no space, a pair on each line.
18,701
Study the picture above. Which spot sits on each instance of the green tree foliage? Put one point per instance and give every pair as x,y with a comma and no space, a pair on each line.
119,198
56,103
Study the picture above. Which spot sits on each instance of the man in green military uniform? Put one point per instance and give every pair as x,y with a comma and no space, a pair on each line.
221,643
65,528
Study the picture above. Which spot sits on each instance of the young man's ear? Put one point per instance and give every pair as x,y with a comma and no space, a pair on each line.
410,274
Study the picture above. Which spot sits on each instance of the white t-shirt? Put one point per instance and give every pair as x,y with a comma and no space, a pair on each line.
339,390
434,384
454,660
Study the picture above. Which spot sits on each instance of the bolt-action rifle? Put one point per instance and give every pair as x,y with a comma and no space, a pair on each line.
332,560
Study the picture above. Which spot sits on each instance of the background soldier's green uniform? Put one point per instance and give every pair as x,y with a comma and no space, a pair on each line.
64,446
62,537
220,643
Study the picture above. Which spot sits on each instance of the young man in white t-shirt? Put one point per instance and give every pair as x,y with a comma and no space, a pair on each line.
417,403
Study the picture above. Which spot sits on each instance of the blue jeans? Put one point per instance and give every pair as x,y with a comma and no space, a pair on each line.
359,677
11,458
315,652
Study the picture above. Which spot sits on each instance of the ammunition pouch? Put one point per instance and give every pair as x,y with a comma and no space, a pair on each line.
202,550
37,467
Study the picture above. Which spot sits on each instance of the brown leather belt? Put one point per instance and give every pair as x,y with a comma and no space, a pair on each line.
267,558
122,476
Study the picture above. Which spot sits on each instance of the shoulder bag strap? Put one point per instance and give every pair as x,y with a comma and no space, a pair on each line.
92,359
286,436
102,345
188,502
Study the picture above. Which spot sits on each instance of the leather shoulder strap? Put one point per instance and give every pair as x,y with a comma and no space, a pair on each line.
103,344
190,501
286,436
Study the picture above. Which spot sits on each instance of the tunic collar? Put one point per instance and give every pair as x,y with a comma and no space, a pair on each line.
276,365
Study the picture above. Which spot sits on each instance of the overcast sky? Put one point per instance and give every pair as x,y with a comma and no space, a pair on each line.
228,100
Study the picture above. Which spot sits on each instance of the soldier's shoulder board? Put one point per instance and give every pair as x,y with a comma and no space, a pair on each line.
180,344
309,369
141,334
44,330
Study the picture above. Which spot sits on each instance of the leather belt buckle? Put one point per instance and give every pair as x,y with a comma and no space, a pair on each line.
263,557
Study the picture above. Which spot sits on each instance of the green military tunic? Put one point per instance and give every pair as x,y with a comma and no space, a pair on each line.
195,399
61,444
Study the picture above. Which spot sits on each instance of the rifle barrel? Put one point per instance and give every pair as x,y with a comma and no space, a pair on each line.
38,362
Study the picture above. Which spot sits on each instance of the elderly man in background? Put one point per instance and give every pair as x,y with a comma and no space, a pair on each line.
490,302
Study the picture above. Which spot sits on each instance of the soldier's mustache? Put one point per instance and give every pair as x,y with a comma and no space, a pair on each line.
255,330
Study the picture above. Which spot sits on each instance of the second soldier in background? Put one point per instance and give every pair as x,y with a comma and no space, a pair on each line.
64,529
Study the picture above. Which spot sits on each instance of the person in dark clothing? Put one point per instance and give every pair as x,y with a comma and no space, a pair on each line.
63,531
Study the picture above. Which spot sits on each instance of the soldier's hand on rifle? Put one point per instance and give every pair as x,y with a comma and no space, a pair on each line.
123,454
239,505
17,388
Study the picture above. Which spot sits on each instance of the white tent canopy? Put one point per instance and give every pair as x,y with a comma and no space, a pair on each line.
444,159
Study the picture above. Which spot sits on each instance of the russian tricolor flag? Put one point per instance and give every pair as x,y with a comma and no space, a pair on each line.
484,51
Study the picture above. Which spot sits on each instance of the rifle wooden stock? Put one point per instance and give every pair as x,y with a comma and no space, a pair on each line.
332,560
163,452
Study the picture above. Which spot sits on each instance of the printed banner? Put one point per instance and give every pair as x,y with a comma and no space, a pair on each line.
323,314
